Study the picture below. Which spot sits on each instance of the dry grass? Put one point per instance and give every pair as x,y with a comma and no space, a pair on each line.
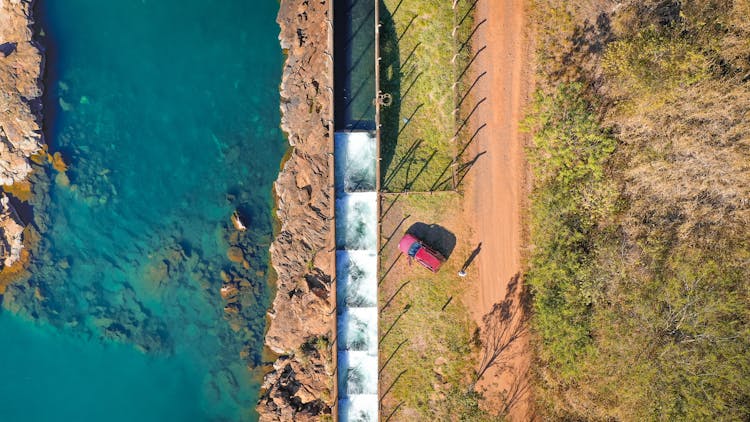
662,277
427,350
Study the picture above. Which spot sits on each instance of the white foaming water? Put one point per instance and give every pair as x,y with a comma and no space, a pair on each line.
359,408
356,222
358,373
358,330
355,162
357,275
356,279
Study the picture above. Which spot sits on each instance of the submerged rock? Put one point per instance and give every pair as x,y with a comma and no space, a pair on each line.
235,254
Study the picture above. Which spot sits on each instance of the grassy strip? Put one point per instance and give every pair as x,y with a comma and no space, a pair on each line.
417,48
428,349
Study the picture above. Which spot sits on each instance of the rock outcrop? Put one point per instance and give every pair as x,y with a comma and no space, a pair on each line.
20,92
20,103
11,230
302,318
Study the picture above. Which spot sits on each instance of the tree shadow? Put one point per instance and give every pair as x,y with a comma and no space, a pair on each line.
501,328
435,236
390,82
515,392
586,44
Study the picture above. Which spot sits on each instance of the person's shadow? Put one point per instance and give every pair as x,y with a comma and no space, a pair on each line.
471,257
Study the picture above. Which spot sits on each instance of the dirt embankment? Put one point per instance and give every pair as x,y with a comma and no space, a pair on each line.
20,132
302,317
498,188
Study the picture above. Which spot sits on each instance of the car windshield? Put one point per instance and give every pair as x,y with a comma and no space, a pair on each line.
414,248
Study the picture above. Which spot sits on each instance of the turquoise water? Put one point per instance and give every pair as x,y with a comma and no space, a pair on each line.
167,114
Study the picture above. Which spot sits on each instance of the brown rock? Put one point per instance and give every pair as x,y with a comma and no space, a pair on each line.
11,234
20,69
238,222
300,388
58,163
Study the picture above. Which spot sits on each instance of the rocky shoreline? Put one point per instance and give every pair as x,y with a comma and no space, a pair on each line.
21,137
302,318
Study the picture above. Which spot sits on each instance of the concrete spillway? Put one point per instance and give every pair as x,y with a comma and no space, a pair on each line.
356,275
356,152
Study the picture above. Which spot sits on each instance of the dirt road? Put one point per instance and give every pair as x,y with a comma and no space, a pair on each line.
496,189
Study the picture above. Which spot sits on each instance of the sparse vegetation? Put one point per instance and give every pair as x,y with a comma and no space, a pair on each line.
639,214
427,350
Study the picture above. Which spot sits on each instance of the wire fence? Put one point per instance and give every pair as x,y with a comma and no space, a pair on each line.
417,166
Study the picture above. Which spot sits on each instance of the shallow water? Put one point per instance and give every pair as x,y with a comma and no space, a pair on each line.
167,112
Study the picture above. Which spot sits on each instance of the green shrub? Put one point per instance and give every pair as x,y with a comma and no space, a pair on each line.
568,155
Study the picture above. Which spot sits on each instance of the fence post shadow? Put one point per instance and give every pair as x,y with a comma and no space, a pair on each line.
388,239
390,206
474,31
468,12
398,318
476,132
470,63
409,184
388,390
412,149
473,110
408,25
468,91
467,167
391,356
393,233
388,302
439,180
393,412
411,54
389,269
411,85
409,119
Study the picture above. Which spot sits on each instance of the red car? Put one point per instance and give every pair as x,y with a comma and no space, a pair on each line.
414,248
